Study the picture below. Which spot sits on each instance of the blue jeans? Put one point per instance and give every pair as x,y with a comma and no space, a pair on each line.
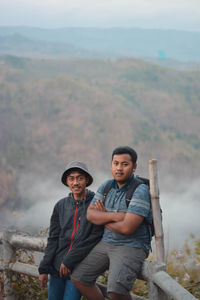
62,289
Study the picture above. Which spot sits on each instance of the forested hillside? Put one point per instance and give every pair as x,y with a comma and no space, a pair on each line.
54,111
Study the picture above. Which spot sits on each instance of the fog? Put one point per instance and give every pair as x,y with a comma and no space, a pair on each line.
105,13
181,214
180,209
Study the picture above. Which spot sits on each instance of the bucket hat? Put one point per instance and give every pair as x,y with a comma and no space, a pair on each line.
76,165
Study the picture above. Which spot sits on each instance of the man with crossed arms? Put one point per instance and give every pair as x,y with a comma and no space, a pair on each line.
126,241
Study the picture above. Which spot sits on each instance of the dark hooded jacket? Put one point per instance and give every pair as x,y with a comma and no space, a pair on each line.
71,235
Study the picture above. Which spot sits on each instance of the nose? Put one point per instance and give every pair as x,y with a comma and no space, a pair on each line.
119,167
75,180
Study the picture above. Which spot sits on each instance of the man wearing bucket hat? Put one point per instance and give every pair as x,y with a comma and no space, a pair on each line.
71,235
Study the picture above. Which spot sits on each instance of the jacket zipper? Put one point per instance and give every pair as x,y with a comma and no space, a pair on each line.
79,219
74,228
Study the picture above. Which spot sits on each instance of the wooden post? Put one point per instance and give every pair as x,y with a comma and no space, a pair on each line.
148,270
154,191
8,255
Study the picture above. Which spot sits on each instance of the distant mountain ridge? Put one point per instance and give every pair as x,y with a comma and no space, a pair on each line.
17,44
118,42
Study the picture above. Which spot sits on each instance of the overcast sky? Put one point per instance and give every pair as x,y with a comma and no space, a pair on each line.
176,14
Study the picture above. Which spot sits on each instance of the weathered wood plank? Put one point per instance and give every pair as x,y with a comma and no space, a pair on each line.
22,268
171,287
154,191
28,242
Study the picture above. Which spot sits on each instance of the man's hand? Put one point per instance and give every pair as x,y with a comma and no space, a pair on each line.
97,214
99,205
64,271
119,215
43,279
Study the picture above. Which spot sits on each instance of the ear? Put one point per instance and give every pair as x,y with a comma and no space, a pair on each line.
134,167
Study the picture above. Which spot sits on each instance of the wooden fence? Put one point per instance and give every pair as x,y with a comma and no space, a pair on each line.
160,284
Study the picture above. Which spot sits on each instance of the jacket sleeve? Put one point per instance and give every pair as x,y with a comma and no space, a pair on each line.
52,243
83,245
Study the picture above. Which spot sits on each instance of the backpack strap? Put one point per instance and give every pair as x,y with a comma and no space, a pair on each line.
107,189
132,187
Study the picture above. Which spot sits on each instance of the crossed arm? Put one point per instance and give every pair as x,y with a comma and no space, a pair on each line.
119,222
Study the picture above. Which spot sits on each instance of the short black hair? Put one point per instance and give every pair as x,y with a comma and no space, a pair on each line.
126,150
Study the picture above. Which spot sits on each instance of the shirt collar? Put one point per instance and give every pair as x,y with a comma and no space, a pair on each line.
125,186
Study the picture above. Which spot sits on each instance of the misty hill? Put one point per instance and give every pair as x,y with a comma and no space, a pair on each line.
54,111
17,44
114,42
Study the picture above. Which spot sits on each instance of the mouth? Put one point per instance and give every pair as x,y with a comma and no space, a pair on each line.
76,188
119,174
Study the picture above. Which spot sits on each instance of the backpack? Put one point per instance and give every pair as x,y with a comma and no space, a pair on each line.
129,193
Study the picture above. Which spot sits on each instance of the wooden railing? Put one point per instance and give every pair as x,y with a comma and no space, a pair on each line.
160,284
